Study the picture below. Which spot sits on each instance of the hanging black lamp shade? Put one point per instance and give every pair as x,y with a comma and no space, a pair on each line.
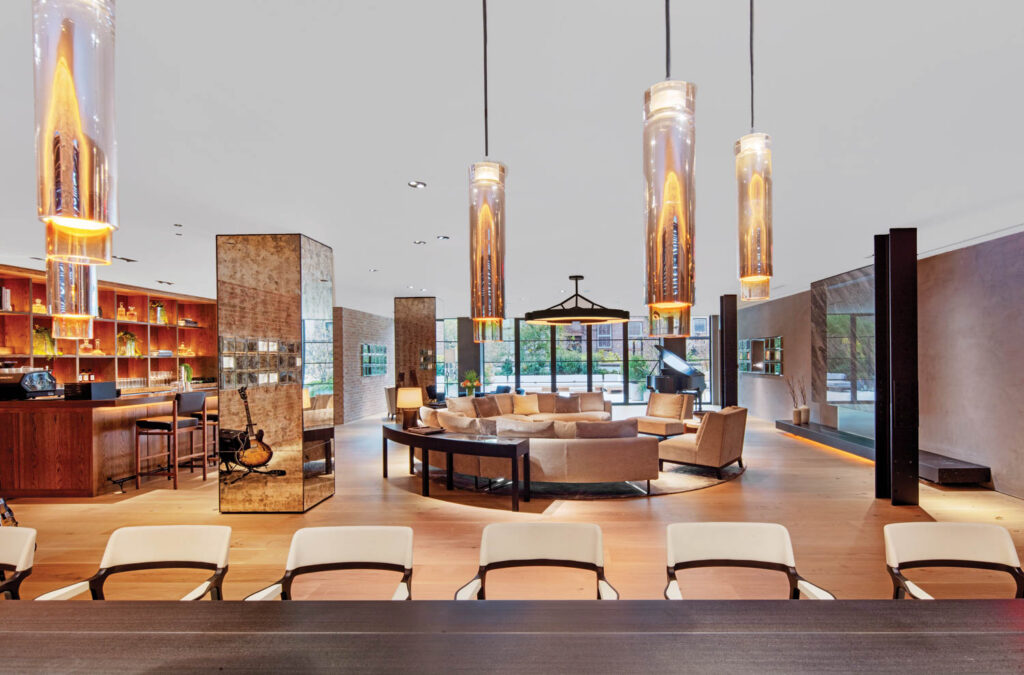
576,309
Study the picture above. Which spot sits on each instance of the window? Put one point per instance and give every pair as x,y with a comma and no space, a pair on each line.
499,361
571,358
603,336
447,351
698,352
643,358
607,363
534,357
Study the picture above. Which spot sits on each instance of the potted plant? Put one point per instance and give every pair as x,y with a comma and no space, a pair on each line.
42,341
792,386
127,343
470,381
157,312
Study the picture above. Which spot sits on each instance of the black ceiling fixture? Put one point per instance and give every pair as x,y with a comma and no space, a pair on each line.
576,309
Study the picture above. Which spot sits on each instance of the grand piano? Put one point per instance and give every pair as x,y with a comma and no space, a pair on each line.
676,376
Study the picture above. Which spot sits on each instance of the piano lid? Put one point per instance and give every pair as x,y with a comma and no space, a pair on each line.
675,362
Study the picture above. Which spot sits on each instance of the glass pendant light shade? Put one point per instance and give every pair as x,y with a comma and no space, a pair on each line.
76,154
487,249
71,298
668,174
754,179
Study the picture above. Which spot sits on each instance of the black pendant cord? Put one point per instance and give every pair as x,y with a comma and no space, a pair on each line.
668,44
751,66
486,139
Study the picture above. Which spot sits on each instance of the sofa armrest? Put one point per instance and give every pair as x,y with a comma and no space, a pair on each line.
608,406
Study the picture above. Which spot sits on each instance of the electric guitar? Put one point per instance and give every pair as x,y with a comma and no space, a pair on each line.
256,453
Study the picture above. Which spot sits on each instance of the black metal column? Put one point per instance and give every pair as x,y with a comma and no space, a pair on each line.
554,361
516,357
903,433
883,456
729,374
590,358
625,362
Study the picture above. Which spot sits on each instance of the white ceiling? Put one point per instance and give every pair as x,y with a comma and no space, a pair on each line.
239,116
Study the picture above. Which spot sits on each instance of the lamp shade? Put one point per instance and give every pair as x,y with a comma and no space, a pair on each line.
754,180
668,138
76,154
409,397
71,298
487,249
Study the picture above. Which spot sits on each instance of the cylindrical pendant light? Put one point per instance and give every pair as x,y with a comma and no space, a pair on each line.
487,249
487,235
754,181
72,299
754,178
76,152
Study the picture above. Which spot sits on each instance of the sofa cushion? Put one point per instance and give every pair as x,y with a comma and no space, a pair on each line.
565,429
592,401
429,416
525,405
458,424
619,429
462,404
504,402
487,426
567,404
546,402
486,406
521,418
572,417
516,429
665,405
659,426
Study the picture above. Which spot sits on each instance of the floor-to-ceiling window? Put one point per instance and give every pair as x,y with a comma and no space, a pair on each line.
643,358
607,361
534,357
571,358
698,351
499,360
447,351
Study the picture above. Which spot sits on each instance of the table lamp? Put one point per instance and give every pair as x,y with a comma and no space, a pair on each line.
409,401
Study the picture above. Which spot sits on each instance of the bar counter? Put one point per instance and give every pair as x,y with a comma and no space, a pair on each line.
52,447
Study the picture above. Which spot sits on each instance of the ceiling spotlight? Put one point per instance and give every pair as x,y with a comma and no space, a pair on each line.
419,242
373,269
178,225
178,234
417,184
423,290
443,237
123,259
410,287
33,257
165,283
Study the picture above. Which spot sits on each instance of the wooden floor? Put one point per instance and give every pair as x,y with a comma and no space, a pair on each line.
824,497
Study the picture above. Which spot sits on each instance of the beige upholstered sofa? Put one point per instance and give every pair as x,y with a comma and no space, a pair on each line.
665,414
717,444
571,452
589,406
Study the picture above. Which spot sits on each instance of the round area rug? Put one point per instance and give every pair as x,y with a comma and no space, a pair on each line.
674,479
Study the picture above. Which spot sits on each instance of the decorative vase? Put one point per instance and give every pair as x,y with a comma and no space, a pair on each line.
797,416
470,391
805,414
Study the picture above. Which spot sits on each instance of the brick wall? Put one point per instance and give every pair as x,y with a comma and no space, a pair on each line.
415,331
355,396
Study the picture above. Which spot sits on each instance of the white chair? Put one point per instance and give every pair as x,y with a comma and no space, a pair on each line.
159,547
757,545
17,551
503,545
320,549
976,545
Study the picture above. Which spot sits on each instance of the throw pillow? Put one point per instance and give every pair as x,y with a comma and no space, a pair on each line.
457,424
546,402
429,417
567,404
665,405
525,405
462,404
486,406
515,429
504,402
619,429
592,401
565,429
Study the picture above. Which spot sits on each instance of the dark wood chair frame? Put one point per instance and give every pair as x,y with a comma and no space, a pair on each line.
212,419
899,582
10,588
173,458
535,562
718,470
791,574
97,580
289,575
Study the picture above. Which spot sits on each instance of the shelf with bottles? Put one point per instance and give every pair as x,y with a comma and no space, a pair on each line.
202,366
98,369
103,342
15,294
132,341
196,343
162,311
15,335
132,308
163,341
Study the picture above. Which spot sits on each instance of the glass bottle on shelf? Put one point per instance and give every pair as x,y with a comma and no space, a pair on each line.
86,347
97,351
121,314
38,307
132,314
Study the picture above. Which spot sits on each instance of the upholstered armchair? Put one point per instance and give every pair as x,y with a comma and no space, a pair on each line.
717,444
665,414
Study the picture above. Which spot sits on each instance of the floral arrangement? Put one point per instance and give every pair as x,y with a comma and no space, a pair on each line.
127,343
42,341
470,381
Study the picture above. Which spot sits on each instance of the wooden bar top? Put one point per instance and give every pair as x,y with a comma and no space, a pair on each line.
517,636
140,398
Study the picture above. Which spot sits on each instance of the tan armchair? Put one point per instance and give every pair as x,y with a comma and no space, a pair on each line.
717,444
665,415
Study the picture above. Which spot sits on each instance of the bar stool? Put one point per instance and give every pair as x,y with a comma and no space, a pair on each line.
213,420
169,425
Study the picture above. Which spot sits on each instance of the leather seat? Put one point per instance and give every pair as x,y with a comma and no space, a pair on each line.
211,416
164,422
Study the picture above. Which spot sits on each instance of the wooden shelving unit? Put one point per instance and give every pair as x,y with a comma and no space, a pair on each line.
153,331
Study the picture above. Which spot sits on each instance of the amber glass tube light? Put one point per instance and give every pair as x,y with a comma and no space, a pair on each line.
754,178
668,174
76,154
487,249
72,299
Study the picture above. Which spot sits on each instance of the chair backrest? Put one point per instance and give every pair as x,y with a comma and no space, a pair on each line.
17,548
723,429
190,402
567,542
712,543
150,545
910,544
503,389
432,391
391,396
316,546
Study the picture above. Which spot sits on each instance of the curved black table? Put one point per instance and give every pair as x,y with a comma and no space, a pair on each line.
462,444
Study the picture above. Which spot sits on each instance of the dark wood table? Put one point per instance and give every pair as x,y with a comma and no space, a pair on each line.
625,636
461,444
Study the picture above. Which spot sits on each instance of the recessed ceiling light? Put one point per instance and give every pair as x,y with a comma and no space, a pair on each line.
423,290
417,184
165,283
178,225
419,242
443,237
178,234
373,269
410,287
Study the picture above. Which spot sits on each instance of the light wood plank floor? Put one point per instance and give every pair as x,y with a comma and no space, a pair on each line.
824,497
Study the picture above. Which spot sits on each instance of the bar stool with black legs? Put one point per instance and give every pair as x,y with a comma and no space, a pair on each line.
179,420
213,420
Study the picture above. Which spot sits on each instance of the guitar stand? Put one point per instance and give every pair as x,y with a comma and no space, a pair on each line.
271,472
